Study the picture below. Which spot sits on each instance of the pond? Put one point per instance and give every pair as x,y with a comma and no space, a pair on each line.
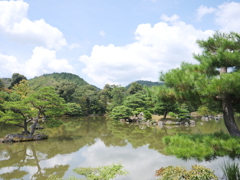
95,141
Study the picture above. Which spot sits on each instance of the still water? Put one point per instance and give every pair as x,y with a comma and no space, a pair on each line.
95,141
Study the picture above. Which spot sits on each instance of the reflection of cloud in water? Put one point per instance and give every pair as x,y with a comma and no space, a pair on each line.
57,160
7,170
140,162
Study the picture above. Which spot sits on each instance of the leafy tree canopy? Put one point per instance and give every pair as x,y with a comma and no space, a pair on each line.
216,78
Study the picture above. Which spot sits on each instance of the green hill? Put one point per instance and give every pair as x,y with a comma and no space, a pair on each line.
147,83
55,78
6,81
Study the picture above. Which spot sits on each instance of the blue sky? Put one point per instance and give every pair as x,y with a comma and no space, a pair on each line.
107,41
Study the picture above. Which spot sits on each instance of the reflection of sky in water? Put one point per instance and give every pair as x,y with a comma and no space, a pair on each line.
140,162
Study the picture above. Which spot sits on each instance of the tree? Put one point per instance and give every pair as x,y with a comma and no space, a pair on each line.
216,78
73,109
163,99
16,78
121,112
134,88
135,101
65,90
44,102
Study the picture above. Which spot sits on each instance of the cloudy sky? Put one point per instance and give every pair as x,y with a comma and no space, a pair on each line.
107,41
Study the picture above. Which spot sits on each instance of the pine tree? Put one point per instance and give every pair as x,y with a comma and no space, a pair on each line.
215,79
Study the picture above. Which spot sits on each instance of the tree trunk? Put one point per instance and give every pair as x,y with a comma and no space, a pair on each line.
228,112
165,114
25,127
35,124
228,115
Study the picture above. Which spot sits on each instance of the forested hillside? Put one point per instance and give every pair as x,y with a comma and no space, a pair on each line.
6,81
54,79
147,83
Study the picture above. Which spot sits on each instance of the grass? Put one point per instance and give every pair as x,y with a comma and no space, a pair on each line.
231,171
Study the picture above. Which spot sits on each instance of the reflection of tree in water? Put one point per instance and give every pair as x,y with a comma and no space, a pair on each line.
22,155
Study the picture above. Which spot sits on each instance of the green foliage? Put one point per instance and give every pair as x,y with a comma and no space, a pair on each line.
231,170
202,146
54,79
180,173
121,112
73,109
102,172
146,83
65,90
147,115
16,78
183,112
44,102
204,110
163,99
209,82
134,88
172,114
135,101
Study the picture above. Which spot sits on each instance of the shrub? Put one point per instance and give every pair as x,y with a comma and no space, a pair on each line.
147,115
121,112
172,114
196,173
102,172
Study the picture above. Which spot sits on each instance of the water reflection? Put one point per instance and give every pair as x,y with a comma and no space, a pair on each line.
96,141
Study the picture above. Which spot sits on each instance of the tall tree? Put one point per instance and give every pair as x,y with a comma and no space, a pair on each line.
16,78
216,78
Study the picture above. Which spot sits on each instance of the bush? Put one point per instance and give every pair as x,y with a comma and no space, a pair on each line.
196,173
172,114
147,115
102,172
121,112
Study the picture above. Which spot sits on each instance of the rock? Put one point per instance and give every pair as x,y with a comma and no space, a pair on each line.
160,123
2,140
192,122
40,137
22,137
122,120
168,122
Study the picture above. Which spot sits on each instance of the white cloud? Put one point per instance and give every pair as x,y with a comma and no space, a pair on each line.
15,25
74,45
102,33
203,10
157,48
9,65
173,18
42,61
228,16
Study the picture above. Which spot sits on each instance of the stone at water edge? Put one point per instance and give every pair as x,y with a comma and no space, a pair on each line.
22,137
